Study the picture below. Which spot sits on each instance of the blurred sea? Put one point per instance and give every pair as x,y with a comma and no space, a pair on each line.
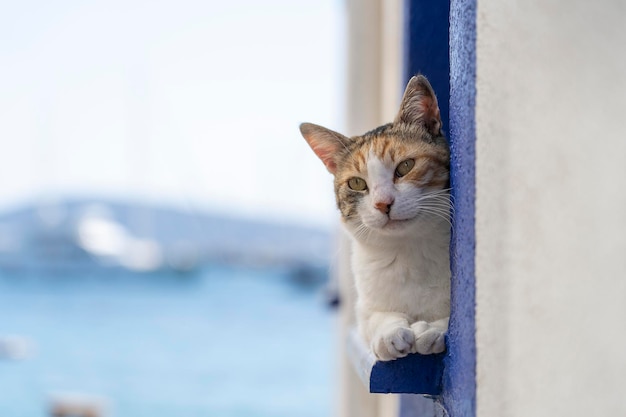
225,341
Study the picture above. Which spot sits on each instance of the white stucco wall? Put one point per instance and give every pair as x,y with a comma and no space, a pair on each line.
551,208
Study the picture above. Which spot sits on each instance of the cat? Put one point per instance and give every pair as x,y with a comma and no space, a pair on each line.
391,187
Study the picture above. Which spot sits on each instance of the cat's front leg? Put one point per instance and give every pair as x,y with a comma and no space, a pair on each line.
389,335
430,337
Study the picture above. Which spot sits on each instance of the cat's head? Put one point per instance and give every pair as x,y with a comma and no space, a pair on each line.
395,177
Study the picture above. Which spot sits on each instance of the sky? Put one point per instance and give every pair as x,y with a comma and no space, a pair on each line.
188,103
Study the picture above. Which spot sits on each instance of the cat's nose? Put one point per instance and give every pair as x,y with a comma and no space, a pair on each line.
384,206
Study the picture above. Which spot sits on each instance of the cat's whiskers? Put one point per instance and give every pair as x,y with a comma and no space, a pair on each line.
439,204
443,193
434,194
438,213
436,197
363,232
442,207
435,207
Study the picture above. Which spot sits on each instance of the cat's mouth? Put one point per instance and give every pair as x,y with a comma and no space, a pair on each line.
394,224
390,224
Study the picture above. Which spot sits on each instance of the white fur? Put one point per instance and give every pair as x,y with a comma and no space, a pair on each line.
401,267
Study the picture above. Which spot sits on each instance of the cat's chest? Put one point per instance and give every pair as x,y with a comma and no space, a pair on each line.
415,265
412,279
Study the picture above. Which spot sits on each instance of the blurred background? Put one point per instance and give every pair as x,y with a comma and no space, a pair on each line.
165,233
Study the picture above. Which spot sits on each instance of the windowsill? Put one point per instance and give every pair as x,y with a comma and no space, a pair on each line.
413,374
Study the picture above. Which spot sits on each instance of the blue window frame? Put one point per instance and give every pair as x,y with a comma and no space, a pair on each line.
440,42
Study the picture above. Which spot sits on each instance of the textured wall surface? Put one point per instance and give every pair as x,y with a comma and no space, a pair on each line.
551,208
459,381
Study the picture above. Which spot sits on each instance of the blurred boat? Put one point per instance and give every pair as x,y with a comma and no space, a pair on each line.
104,236
87,237
110,243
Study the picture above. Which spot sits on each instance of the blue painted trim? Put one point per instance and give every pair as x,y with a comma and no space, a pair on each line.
459,381
413,374
426,43
450,65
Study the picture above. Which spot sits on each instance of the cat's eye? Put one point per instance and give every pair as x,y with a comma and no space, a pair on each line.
404,167
357,184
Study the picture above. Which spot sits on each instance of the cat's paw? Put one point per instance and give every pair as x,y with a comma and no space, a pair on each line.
428,339
393,344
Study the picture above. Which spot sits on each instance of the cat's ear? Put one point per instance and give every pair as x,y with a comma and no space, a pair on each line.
326,144
419,105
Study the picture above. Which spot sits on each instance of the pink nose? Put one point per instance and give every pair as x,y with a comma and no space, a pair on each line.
384,206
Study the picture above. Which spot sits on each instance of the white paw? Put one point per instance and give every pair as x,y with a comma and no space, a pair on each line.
393,344
428,339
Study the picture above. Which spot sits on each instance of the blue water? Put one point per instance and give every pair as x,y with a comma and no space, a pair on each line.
227,342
